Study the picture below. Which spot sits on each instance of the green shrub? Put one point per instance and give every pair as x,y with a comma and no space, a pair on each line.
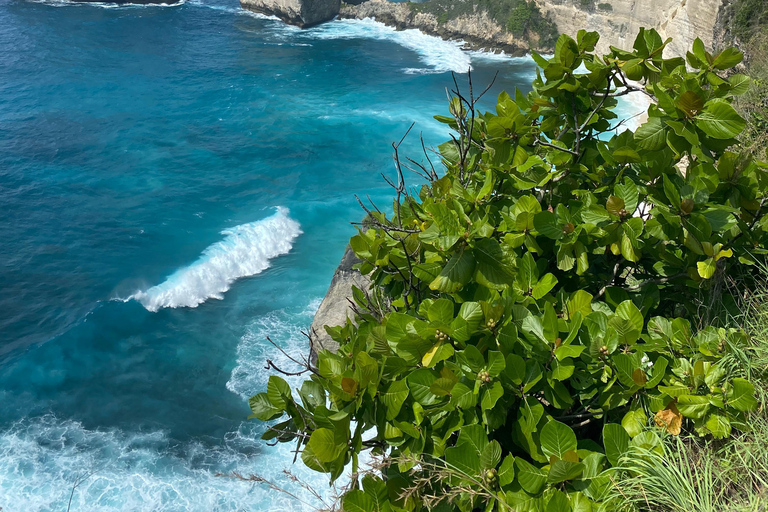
605,7
531,310
519,19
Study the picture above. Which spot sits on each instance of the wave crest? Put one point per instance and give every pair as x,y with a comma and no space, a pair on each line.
246,251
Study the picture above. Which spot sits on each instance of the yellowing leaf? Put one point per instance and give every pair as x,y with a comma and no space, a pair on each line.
670,418
349,385
724,254
706,268
638,376
427,359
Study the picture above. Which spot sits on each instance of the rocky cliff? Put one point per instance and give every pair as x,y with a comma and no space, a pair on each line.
618,21
335,308
303,13
477,29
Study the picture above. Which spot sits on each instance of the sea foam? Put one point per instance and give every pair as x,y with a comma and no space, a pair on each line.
48,464
246,251
439,55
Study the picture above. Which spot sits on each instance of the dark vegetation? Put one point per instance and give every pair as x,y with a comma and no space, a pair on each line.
520,17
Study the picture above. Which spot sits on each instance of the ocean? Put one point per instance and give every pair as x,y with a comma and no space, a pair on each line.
177,183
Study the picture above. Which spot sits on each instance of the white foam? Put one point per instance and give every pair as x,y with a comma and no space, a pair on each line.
246,251
103,5
284,328
41,459
439,55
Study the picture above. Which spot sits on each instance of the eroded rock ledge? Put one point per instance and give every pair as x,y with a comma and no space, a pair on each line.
302,13
335,308
477,30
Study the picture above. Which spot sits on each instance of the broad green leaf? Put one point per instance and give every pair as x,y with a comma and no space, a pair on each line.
581,302
627,191
441,311
530,478
394,398
628,311
493,269
419,383
456,273
263,409
557,439
463,397
719,120
358,501
278,391
544,286
719,425
464,459
327,444
562,470
651,135
616,442
728,58
491,395
507,471
491,455
742,395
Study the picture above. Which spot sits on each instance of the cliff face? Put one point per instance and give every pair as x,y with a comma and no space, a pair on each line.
335,308
478,29
303,13
618,21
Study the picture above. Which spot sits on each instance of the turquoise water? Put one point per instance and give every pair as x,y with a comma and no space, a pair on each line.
176,183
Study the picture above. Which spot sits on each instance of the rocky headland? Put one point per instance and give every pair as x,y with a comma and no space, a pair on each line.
477,29
302,13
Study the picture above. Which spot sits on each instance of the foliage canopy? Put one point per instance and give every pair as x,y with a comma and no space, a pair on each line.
541,308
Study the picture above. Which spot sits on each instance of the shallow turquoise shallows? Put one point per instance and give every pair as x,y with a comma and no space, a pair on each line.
177,183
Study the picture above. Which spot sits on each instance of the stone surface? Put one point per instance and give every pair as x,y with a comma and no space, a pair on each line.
303,13
682,20
335,307
478,30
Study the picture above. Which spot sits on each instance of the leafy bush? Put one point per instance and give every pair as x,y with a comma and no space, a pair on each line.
538,307
605,7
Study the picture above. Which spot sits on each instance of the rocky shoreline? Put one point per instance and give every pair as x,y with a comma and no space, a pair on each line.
478,30
336,306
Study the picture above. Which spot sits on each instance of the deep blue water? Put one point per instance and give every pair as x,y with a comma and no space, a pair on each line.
176,183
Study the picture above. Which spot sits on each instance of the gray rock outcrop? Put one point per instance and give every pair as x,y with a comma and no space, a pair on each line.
335,307
303,13
618,21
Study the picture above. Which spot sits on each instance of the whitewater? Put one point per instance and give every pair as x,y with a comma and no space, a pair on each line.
177,183
244,252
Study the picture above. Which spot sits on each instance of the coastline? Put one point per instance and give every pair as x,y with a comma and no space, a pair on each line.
476,32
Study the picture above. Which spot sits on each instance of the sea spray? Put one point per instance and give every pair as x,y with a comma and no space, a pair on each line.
440,55
246,251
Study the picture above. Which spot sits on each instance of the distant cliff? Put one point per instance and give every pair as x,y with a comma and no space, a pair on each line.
618,21
466,21
516,26
303,13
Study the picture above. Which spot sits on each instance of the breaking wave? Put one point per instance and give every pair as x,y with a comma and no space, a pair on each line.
246,251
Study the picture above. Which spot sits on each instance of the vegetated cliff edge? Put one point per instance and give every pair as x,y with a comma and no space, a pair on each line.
516,26
335,307
509,29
